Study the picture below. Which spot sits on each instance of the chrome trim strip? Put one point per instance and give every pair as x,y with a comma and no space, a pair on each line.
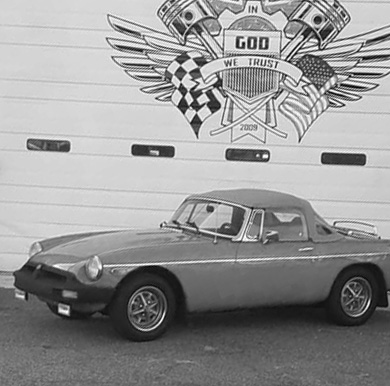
243,260
249,223
64,266
206,198
240,235
188,262
306,249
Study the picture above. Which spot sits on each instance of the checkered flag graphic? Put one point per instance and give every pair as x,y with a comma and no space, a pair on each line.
304,108
195,103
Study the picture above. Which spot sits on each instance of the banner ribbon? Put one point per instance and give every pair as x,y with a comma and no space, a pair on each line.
263,62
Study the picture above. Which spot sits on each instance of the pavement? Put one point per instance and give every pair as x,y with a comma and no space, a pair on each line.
294,346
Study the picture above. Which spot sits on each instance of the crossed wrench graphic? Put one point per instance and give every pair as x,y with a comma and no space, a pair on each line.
216,52
320,20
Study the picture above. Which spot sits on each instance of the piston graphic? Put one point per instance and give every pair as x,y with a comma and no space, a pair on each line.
321,20
185,17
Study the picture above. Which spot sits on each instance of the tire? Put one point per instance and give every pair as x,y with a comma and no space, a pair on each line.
73,315
353,298
144,308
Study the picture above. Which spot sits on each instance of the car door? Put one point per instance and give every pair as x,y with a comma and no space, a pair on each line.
276,262
206,265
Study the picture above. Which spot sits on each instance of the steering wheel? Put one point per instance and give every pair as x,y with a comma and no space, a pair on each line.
227,228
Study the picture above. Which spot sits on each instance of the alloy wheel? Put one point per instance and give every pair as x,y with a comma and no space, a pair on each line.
356,297
147,308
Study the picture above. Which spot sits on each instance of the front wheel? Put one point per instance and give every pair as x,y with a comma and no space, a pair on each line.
143,308
353,298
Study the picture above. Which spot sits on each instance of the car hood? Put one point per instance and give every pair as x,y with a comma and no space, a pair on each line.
104,245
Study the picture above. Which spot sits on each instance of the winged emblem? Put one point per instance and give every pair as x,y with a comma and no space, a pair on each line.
358,62
243,70
355,66
147,54
170,68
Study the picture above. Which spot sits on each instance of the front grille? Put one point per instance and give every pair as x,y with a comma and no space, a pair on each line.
43,272
29,267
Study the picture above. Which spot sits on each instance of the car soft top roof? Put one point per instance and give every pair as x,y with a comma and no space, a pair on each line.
254,198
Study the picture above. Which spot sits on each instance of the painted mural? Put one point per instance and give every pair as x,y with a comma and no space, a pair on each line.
257,65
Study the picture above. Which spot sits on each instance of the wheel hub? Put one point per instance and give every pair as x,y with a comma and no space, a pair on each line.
356,297
147,308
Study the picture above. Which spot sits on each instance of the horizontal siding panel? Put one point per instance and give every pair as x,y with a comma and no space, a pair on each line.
71,91
56,63
89,199
95,94
10,262
140,178
370,194
84,146
126,211
377,154
15,245
166,123
90,68
99,216
38,230
78,11
111,120
88,86
92,146
120,171
13,138
355,131
76,37
72,8
79,14
358,211
58,81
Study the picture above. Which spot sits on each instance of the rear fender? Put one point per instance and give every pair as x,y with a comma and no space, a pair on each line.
382,299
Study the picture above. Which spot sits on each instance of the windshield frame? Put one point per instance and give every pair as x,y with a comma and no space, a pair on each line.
199,230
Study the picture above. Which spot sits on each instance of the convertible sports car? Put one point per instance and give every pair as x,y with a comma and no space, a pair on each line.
221,250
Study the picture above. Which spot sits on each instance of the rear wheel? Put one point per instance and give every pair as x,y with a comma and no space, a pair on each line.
143,308
353,298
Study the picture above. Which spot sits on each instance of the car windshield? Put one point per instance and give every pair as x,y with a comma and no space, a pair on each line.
209,217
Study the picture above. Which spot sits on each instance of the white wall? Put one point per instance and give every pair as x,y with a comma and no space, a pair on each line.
57,81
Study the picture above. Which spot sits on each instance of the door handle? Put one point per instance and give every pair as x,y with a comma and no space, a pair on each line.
305,249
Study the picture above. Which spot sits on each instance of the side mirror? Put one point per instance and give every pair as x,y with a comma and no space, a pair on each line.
271,237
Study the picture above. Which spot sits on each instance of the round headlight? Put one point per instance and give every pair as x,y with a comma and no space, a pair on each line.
93,268
35,248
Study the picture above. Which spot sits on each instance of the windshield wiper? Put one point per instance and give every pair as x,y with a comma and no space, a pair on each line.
193,225
169,224
178,224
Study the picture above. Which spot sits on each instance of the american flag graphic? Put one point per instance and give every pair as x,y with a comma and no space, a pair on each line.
303,108
195,103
